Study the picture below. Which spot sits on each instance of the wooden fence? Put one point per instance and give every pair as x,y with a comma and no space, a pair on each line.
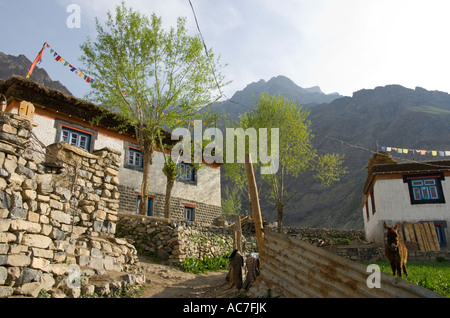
294,268
420,236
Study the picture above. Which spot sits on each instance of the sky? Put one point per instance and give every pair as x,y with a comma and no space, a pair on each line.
340,45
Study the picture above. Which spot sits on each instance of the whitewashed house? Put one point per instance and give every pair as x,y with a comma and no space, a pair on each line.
406,192
196,195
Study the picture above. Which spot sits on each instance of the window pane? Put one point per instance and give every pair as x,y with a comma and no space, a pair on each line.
429,182
417,195
65,136
73,139
417,183
434,193
425,194
137,159
130,157
189,172
83,142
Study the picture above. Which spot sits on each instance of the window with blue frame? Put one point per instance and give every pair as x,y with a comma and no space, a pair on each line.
189,213
425,189
76,138
135,158
149,207
187,172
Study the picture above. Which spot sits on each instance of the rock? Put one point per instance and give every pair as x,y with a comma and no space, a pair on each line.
29,289
36,240
47,281
31,275
18,260
18,213
3,275
61,217
6,291
102,289
57,293
88,290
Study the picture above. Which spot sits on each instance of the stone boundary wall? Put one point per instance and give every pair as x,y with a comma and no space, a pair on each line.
175,241
58,214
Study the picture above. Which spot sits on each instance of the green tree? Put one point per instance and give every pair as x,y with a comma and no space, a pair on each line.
152,78
296,153
231,202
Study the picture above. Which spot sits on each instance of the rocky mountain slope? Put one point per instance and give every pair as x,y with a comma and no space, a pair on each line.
392,116
19,65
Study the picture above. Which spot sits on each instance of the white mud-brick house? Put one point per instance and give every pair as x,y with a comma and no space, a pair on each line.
411,192
196,195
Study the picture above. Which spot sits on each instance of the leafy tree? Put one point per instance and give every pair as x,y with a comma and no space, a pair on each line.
152,78
231,202
296,153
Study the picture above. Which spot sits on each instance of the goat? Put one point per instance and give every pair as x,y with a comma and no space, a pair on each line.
395,251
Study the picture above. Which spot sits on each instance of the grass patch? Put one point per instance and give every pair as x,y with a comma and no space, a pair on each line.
431,275
198,266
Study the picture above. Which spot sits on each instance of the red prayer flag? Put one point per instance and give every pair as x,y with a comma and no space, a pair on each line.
37,60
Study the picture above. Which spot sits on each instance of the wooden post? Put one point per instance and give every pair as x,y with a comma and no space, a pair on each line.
256,210
238,234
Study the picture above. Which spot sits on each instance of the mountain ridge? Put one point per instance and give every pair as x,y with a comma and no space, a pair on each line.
19,65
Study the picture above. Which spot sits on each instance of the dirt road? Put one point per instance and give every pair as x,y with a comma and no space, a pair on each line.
164,281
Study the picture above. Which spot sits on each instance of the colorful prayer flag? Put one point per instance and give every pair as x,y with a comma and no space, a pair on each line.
38,59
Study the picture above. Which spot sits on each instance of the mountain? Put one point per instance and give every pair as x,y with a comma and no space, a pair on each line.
242,101
19,65
357,126
392,116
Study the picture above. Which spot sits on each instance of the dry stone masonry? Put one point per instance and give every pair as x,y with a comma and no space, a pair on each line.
58,214
175,240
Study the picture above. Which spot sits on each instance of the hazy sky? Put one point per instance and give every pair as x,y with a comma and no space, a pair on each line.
340,45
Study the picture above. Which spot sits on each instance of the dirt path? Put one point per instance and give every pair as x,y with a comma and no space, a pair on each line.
164,281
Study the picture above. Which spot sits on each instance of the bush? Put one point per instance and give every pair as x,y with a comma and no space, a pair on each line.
197,266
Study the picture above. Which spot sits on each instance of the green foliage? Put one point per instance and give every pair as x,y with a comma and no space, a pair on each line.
151,76
231,201
431,275
198,266
296,153
170,168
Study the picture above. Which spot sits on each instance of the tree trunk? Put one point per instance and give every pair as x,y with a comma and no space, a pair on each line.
280,218
280,201
169,186
147,154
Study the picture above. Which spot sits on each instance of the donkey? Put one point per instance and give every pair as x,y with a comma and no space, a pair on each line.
395,251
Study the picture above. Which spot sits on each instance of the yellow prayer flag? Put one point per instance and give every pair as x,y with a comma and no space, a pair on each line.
434,152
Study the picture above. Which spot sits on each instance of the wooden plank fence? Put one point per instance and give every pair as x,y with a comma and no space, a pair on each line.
420,234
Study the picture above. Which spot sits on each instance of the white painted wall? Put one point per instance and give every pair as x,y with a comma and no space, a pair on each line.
207,190
393,204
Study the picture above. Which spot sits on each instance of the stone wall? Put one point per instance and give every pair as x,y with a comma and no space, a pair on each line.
58,213
175,241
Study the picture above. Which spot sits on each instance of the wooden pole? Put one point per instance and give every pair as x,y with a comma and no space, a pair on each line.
238,234
256,210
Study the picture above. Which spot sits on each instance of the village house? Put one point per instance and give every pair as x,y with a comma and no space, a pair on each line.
58,117
413,194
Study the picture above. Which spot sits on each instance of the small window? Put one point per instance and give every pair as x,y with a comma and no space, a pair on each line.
440,232
76,138
189,213
135,158
425,189
149,207
187,172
